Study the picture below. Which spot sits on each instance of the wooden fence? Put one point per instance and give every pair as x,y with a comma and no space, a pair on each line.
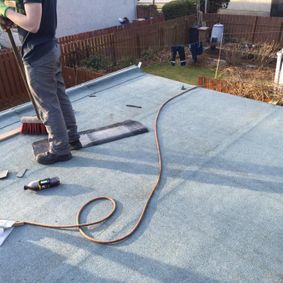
12,90
114,29
253,29
132,41
74,48
75,76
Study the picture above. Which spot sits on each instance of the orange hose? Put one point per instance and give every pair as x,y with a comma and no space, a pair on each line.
80,225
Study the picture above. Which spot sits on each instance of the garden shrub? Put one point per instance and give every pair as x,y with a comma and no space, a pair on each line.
97,63
178,8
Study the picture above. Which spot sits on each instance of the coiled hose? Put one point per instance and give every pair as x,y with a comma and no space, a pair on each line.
80,225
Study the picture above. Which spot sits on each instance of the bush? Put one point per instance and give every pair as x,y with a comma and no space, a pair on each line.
259,54
147,11
178,8
97,63
100,63
148,54
125,62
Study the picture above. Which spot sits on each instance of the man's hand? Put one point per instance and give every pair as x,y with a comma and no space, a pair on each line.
11,3
5,23
28,17
3,8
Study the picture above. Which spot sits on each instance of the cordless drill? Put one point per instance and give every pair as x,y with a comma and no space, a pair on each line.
43,184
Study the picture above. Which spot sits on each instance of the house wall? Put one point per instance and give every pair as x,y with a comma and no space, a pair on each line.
85,15
4,39
151,1
248,7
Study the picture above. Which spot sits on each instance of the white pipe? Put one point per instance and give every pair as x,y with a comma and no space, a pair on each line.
281,76
278,67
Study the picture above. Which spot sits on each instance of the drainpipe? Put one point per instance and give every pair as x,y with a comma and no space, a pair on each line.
279,69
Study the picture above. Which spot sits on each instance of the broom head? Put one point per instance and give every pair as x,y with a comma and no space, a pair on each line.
32,126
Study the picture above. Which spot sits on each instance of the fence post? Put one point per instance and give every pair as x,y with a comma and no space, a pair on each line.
254,29
113,50
138,45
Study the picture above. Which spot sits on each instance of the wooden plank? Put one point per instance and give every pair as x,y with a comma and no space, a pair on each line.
10,134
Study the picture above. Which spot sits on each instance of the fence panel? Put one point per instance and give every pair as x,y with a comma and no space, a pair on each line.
269,29
75,76
126,44
149,38
12,86
235,27
250,28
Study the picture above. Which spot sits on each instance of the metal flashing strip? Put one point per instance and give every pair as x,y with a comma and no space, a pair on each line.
106,82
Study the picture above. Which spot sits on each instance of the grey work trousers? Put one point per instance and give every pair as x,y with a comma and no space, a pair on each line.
47,86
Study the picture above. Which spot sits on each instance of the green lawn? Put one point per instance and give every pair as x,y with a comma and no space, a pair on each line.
187,74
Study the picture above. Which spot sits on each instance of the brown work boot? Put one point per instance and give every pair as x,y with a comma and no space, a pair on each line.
75,145
47,158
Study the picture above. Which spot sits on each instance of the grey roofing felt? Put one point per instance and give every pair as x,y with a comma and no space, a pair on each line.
217,216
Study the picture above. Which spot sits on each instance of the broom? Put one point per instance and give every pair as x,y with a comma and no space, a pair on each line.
30,125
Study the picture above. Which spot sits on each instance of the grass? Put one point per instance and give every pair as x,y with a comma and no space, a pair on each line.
187,74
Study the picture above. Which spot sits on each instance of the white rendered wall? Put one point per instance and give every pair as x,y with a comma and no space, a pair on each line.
248,7
75,16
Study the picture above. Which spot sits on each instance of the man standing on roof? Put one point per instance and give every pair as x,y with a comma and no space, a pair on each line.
37,22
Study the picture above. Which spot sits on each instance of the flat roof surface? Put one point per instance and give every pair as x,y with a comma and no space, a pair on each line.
216,217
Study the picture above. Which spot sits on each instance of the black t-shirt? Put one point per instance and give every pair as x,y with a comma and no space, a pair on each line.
35,45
